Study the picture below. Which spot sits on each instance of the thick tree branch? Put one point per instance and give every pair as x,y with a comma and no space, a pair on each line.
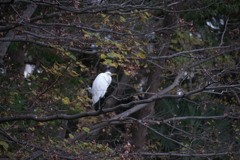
139,105
183,154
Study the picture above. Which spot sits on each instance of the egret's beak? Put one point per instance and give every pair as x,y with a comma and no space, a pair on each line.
113,74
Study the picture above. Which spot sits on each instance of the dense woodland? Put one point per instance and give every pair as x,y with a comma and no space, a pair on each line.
175,95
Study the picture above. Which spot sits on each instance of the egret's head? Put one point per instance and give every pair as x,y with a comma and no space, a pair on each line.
109,73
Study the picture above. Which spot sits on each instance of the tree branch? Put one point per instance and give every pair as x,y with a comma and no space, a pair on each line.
139,105
46,45
158,133
182,154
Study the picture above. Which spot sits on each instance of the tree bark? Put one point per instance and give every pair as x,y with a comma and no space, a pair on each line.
119,91
140,131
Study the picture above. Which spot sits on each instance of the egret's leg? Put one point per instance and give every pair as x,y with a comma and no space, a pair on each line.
99,104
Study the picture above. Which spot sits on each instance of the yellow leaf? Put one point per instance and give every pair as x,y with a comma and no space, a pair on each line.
142,50
118,45
4,113
106,19
31,128
40,123
127,73
102,56
84,69
43,67
71,136
144,43
122,19
96,25
141,55
147,13
114,64
80,81
103,15
143,18
65,100
124,52
73,73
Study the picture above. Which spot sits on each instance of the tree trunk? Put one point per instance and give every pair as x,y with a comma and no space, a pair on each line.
140,131
119,91
63,130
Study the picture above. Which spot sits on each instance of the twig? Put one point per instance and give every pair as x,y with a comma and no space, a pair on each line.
45,91
225,28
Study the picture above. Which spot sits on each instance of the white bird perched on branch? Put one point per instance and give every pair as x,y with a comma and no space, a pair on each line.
99,88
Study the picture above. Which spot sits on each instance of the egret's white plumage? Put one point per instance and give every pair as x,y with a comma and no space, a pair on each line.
100,85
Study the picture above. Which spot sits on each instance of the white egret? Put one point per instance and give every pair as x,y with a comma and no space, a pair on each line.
99,87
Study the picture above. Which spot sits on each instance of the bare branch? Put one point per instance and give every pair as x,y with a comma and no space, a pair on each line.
196,50
225,28
184,154
46,44
201,117
158,133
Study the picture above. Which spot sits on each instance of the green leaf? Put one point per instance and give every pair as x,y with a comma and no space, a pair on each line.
86,129
70,135
107,61
73,57
122,19
110,55
137,44
4,145
45,78
32,76
100,146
